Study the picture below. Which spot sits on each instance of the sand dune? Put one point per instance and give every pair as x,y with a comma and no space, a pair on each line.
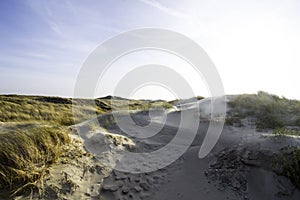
238,167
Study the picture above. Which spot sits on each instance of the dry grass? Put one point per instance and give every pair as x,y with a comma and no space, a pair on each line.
26,151
33,132
59,111
53,110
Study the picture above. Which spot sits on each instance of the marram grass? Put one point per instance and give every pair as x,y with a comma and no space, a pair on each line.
33,132
25,153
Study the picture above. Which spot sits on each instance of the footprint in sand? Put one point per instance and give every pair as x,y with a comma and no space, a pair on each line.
121,185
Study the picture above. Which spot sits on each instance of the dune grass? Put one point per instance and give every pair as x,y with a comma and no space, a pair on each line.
33,131
272,112
286,132
269,111
53,110
26,150
287,163
59,111
291,167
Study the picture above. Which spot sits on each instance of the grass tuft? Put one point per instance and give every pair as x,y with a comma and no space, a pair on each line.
286,132
26,152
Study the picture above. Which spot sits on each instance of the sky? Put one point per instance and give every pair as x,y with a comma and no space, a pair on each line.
254,44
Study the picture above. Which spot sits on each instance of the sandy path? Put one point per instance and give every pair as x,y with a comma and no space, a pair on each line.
213,177
188,180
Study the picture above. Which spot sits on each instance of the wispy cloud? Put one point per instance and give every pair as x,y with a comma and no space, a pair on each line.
166,9
188,20
44,11
54,37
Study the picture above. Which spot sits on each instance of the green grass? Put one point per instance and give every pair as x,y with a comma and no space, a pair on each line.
26,150
286,132
268,111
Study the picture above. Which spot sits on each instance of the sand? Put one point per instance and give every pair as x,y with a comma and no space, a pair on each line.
238,167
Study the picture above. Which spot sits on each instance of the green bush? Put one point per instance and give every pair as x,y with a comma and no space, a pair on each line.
233,121
270,121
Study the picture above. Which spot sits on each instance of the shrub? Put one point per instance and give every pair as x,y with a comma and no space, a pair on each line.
269,120
288,164
233,121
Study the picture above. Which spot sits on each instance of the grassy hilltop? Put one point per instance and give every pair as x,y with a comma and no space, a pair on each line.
266,110
56,110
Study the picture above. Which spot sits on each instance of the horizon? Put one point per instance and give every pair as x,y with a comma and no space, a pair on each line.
253,44
110,95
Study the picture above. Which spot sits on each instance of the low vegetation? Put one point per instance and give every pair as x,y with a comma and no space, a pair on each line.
268,111
26,150
286,132
33,131
288,164
53,110
59,111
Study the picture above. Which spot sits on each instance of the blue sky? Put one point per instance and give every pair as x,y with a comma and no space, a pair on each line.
254,44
